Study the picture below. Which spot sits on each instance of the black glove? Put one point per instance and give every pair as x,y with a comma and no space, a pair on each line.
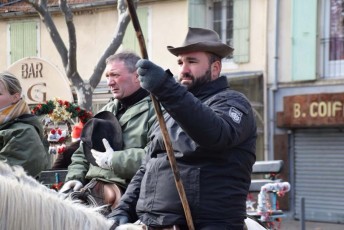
118,220
151,76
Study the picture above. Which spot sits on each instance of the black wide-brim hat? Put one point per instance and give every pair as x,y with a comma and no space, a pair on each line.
102,125
202,40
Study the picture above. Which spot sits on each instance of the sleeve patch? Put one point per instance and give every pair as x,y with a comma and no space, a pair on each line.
235,114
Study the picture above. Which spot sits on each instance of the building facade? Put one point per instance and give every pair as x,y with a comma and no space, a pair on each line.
305,101
163,23
288,60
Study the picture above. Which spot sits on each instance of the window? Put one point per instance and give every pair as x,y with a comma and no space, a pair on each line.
229,18
23,40
336,51
223,20
332,41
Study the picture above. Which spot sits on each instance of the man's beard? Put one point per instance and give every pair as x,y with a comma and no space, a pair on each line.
196,82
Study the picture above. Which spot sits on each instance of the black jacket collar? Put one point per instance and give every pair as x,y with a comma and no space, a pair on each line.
210,88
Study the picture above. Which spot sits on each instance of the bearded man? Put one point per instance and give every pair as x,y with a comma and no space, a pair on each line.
213,134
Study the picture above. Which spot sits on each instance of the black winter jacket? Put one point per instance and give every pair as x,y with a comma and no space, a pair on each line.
213,134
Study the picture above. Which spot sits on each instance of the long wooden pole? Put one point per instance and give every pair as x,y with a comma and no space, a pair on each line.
166,137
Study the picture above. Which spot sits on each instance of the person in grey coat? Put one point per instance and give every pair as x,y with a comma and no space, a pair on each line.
213,134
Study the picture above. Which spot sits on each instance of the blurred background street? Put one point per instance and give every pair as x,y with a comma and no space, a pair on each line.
289,223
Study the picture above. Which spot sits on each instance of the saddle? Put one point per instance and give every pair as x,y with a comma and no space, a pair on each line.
99,194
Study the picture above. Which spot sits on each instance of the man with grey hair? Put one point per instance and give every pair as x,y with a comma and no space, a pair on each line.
134,111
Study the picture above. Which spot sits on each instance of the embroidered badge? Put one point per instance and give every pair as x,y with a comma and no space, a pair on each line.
235,115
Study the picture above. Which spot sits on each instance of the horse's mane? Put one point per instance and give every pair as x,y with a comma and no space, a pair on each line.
27,204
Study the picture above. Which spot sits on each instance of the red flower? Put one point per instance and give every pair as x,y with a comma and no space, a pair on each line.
59,131
53,131
66,103
61,149
62,139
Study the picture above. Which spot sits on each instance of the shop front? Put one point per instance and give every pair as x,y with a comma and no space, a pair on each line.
315,123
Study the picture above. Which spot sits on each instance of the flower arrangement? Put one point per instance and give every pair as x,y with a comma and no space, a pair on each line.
57,135
61,111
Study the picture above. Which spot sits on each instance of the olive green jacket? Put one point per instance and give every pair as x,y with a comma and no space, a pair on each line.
136,123
21,144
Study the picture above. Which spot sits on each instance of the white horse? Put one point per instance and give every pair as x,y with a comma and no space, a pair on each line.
27,204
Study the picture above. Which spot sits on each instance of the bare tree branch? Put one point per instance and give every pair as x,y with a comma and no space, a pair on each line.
83,89
42,10
71,68
122,24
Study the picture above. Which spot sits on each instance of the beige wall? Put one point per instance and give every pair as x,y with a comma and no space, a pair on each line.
170,29
284,42
162,25
94,32
167,23
258,36
3,45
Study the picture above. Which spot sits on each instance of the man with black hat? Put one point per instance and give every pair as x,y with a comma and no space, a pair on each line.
112,143
213,135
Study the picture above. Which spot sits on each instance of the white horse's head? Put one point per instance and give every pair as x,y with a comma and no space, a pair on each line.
27,204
